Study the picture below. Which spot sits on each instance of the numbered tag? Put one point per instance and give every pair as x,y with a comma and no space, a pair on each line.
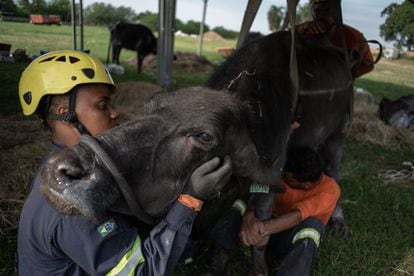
259,188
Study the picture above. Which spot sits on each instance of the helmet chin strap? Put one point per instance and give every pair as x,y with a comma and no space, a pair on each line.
71,117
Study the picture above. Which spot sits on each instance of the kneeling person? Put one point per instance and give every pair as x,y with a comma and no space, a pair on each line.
300,213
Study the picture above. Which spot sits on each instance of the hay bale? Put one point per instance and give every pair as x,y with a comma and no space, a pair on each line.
368,127
23,142
183,62
211,35
130,97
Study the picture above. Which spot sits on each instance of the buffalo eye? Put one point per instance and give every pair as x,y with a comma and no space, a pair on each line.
204,137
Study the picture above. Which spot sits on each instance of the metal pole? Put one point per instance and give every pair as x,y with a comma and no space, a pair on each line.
73,18
165,44
81,23
201,35
249,15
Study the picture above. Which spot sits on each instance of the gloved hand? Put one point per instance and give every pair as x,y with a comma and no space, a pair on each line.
208,180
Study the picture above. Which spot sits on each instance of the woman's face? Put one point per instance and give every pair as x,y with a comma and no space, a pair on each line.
93,108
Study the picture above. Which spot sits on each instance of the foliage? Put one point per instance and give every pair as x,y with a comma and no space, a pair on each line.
148,19
106,14
9,6
60,7
399,24
304,13
28,7
225,32
179,24
193,27
275,16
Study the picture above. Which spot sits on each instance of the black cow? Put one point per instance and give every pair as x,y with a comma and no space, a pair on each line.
183,129
134,37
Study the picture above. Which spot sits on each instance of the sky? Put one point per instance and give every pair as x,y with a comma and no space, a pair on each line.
364,15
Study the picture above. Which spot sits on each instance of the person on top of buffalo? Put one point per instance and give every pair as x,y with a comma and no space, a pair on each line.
339,35
299,215
71,93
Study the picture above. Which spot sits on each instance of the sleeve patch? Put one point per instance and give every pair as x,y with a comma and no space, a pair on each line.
106,228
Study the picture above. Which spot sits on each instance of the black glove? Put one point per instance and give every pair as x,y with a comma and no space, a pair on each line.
208,180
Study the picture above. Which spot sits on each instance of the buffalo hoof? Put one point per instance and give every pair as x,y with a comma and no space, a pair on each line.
339,227
217,263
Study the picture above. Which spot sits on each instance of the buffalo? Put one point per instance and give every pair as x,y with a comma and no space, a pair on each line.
251,120
258,74
156,154
136,37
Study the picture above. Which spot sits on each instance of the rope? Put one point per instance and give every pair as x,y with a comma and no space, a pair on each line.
239,76
397,176
125,189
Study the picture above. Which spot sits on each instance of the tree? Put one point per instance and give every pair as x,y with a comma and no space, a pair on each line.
304,13
225,32
8,6
27,7
193,27
399,24
275,16
149,19
60,7
106,14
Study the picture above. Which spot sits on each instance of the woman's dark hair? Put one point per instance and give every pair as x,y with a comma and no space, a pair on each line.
304,163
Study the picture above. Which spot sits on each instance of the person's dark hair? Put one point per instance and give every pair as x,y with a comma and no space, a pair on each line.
49,104
304,163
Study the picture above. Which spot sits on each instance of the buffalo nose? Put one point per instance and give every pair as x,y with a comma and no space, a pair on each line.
65,167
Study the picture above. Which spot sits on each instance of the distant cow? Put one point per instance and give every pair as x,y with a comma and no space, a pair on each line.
135,37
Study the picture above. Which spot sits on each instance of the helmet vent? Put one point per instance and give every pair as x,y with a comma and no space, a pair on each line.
62,59
90,73
27,97
73,59
47,59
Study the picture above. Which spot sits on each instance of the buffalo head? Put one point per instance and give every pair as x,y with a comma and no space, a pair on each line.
156,154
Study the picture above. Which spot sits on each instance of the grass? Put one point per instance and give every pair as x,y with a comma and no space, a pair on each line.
379,214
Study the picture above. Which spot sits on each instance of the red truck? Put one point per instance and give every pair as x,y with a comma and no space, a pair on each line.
45,19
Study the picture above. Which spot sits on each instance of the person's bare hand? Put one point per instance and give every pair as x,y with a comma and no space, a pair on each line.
315,27
252,230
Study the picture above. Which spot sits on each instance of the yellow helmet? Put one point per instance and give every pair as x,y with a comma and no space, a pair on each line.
57,73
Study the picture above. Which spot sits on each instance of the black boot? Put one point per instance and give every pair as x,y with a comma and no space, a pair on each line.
299,261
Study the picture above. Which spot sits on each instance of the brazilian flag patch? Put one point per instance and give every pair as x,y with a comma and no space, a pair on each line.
106,228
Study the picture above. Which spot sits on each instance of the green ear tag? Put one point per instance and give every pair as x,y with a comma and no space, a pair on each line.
259,188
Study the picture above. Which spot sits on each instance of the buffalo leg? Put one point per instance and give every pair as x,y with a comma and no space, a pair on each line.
224,237
331,152
140,59
263,204
116,51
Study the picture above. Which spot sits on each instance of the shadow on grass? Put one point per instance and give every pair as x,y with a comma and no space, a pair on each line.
384,89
